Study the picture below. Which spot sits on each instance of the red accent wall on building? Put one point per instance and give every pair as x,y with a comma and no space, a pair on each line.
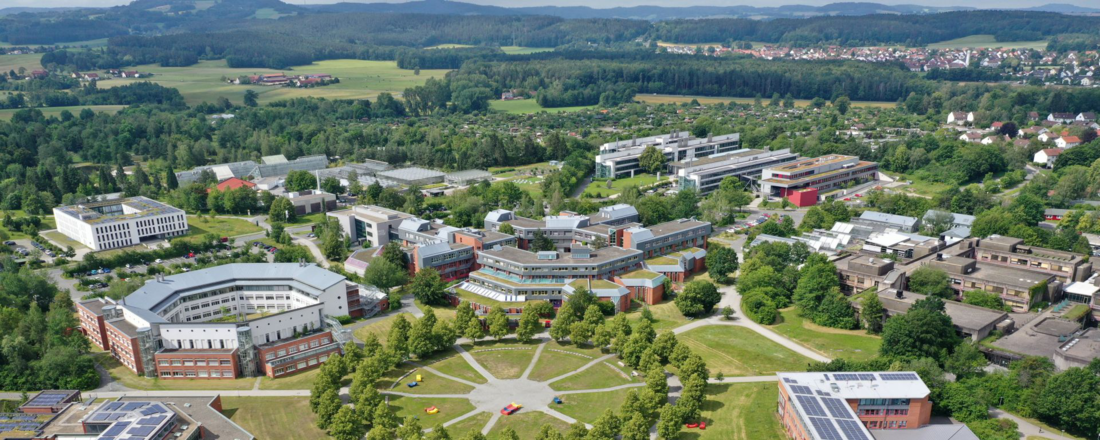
803,198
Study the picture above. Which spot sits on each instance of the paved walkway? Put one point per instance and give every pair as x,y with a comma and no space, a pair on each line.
1025,427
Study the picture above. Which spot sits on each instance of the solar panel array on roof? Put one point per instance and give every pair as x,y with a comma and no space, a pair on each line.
899,376
822,393
811,406
852,429
846,376
825,428
864,376
802,389
789,380
116,429
837,407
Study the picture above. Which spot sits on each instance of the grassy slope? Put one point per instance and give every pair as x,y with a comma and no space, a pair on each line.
505,364
602,375
415,406
618,185
526,424
271,418
736,351
739,412
834,343
525,106
986,41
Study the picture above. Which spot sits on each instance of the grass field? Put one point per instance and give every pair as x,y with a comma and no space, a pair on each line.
986,41
602,375
526,424
706,100
831,342
414,406
449,46
6,114
30,61
504,364
458,367
222,227
736,351
587,407
100,42
430,383
520,50
475,423
358,79
741,411
380,329
618,185
272,418
552,364
525,106
129,379
297,381
63,240
666,314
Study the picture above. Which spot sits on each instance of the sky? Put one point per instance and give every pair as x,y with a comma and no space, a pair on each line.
613,3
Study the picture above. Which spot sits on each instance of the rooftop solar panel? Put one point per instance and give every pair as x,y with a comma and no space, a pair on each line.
112,406
116,428
822,393
132,406
846,376
141,431
802,389
98,417
837,407
811,406
899,376
825,429
789,380
149,411
852,430
152,420
866,377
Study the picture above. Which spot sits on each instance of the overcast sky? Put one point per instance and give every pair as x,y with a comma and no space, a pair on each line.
614,3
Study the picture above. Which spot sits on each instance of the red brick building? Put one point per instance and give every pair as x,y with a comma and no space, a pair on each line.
288,357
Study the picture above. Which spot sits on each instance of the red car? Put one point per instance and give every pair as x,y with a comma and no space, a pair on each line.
511,409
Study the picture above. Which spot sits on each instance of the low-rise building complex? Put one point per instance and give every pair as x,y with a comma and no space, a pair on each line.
120,223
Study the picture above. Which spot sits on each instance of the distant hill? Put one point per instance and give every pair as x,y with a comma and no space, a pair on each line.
20,10
1063,8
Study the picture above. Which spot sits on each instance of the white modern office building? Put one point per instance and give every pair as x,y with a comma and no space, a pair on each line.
620,159
119,223
705,174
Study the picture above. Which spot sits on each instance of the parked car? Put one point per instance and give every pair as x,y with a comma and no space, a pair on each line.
9,243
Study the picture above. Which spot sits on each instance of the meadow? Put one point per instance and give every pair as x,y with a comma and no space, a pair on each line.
986,41
527,106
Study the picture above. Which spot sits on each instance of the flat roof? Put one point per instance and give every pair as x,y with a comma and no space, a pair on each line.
675,226
812,162
860,165
50,398
155,292
410,173
140,206
520,256
954,431
965,316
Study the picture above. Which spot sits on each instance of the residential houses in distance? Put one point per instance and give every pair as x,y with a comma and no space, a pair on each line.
282,79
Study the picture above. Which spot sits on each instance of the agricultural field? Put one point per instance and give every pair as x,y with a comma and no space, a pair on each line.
987,41
709,100
6,114
30,61
520,50
358,79
831,342
738,351
528,106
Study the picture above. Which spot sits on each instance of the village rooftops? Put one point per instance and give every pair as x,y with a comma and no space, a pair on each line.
555,258
110,211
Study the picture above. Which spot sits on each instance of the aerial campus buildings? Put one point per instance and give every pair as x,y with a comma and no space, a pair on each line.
888,405
235,320
701,165
120,222
608,253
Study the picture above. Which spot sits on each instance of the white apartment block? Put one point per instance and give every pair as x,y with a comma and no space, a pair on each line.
120,223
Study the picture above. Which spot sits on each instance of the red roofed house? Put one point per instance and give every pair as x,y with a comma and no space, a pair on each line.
234,183
1047,156
1068,141
39,74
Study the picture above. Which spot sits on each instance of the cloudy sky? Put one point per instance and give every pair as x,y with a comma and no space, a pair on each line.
614,3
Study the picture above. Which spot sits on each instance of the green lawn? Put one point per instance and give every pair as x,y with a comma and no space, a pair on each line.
737,351
381,329
552,364
358,79
6,114
831,342
415,406
666,314
739,411
504,364
268,14
29,62
63,240
430,383
600,186
987,41
527,424
129,379
222,227
605,374
458,367
273,418
520,50
297,381
588,407
309,219
472,424
526,106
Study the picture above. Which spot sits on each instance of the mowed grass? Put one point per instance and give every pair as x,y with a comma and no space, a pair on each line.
739,411
414,406
527,106
457,366
831,342
709,100
602,375
504,364
665,314
587,407
358,79
28,61
526,424
273,418
987,41
737,351
297,381
520,50
472,424
381,329
599,188
6,114
430,383
552,364
222,227
129,379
